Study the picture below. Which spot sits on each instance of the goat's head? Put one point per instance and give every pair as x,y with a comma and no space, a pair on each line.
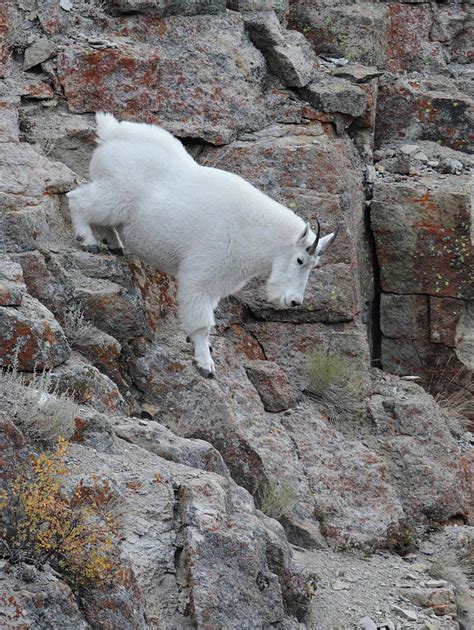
290,271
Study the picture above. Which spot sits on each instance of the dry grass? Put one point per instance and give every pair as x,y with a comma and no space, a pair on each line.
457,567
337,385
452,394
325,370
37,407
75,325
278,499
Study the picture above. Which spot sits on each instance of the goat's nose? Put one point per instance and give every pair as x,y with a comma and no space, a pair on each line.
295,303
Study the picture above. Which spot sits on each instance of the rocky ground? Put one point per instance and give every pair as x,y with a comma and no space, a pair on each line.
250,501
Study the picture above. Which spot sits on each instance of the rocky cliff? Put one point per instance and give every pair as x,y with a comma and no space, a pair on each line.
227,490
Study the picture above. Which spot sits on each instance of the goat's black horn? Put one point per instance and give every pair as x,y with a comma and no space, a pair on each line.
312,248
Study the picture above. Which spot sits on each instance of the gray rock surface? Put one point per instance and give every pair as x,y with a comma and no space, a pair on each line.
41,50
161,8
335,95
197,103
30,337
293,60
339,122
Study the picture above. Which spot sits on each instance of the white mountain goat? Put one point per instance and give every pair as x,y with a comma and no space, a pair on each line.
210,229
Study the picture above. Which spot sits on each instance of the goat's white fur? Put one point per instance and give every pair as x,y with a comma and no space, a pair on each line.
210,229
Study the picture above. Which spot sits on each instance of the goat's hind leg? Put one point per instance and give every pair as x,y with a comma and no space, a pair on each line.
81,203
110,237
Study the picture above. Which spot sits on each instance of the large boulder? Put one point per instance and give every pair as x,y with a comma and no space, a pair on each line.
29,205
423,245
417,108
30,338
398,36
199,77
195,543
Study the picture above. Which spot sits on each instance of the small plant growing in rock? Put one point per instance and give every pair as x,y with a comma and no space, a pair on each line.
43,523
41,411
75,325
278,499
337,385
451,394
325,369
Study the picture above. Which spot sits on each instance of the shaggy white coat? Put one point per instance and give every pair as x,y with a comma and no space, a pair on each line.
210,229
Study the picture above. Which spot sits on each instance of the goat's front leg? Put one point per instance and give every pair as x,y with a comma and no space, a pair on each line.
202,353
196,310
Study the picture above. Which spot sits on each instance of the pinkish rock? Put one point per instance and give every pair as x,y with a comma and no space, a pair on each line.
441,600
40,50
30,337
291,344
422,458
9,130
396,36
422,236
402,316
156,438
356,31
444,319
279,6
110,308
26,173
292,61
88,386
212,89
102,350
12,287
414,108
162,8
317,176
272,385
334,95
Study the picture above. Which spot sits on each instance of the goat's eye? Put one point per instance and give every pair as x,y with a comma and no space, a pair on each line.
299,261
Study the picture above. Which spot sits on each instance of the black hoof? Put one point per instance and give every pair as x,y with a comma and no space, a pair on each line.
188,339
204,373
92,249
117,251
211,350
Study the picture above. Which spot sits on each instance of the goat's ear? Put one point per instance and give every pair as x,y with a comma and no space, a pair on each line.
304,234
325,242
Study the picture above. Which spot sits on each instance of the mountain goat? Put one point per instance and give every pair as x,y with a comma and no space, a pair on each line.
210,229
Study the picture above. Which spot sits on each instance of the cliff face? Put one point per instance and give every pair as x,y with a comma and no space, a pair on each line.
351,112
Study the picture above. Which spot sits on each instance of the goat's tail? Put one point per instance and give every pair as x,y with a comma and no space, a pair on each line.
106,125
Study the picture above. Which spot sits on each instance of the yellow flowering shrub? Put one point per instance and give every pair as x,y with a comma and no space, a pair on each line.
73,531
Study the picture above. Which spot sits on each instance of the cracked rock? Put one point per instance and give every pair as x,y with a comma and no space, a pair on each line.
335,95
292,61
40,51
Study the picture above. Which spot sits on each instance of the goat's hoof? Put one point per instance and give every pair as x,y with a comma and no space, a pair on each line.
210,349
204,373
117,251
92,249
188,339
